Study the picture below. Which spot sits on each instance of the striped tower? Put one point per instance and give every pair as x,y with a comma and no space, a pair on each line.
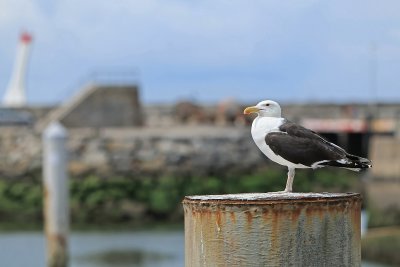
15,95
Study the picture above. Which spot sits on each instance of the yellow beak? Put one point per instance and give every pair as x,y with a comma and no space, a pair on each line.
250,110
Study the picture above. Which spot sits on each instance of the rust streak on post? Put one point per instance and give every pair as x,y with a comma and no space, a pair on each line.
270,229
233,217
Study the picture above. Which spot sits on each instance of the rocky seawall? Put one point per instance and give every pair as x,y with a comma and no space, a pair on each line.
197,150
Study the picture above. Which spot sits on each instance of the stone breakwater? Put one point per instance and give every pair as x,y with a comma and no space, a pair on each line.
196,150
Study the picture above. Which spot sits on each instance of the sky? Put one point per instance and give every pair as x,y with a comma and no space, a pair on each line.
210,50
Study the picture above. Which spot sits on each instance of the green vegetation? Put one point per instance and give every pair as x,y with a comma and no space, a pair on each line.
382,245
20,201
383,217
97,200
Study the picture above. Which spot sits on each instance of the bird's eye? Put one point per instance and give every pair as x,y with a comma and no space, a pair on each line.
267,105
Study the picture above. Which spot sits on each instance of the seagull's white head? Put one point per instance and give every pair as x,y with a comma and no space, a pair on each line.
266,108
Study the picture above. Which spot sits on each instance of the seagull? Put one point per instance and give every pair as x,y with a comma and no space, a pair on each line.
294,146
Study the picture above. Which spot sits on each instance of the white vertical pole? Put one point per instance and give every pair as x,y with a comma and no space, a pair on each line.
56,194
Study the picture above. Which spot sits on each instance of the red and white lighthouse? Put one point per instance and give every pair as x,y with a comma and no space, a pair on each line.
15,95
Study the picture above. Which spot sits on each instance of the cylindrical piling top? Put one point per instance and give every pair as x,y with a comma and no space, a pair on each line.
270,198
55,130
273,229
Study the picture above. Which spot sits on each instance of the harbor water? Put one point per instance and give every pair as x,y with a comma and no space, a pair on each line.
150,248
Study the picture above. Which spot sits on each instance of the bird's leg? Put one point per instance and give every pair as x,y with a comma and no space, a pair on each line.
289,182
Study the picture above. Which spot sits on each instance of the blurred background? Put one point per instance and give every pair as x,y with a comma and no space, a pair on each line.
152,94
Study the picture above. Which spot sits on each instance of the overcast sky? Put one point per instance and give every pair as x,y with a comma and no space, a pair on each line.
208,50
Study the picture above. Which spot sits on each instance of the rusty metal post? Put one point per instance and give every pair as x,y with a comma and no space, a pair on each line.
56,195
272,229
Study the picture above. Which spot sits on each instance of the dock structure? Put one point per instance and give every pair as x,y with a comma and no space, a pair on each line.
273,229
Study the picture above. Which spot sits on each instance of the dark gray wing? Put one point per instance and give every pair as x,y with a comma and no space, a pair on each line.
302,146
294,129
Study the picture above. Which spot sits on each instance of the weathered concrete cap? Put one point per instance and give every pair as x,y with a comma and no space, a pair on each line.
272,197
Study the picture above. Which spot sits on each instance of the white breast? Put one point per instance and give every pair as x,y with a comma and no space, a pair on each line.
260,128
